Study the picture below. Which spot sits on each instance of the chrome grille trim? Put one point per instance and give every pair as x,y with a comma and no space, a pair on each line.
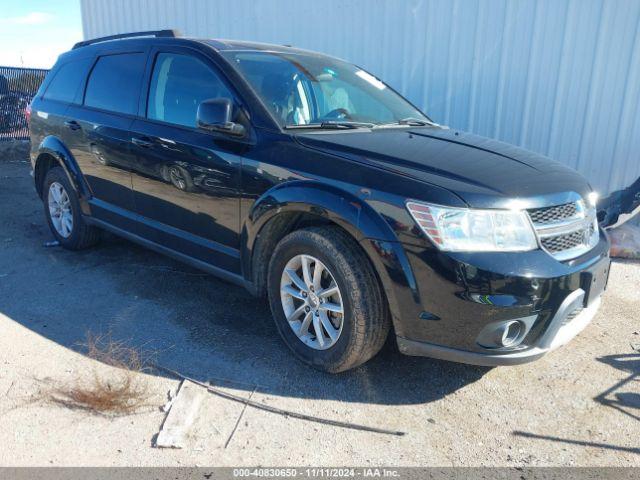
565,231
562,228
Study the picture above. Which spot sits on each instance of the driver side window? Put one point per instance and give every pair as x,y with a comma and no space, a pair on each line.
179,84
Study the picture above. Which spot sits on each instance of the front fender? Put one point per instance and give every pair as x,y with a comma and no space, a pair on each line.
349,211
353,214
53,146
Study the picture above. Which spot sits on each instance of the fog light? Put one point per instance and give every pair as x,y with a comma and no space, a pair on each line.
505,333
510,333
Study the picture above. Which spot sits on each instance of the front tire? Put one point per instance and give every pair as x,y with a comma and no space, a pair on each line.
62,209
326,299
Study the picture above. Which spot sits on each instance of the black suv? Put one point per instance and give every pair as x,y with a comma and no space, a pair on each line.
309,180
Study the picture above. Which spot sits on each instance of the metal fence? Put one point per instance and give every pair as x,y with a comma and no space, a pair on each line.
17,88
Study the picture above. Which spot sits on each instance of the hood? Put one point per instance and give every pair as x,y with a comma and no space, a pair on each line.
483,172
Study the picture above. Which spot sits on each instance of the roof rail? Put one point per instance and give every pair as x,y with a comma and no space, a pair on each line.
150,33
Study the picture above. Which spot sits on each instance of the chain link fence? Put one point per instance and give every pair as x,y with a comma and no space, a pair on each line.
17,88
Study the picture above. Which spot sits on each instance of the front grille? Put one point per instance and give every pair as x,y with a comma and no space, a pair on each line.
565,231
556,213
564,242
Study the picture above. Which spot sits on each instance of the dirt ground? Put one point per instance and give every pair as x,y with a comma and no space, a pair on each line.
579,405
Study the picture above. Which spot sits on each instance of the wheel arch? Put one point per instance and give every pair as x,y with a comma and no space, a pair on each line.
53,152
299,204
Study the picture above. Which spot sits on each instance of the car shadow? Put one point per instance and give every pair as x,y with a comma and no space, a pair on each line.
627,403
615,397
198,325
581,443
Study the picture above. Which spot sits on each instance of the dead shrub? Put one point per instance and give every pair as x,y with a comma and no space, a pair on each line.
119,392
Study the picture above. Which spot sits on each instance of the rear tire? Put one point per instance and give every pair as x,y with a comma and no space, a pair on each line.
62,209
353,336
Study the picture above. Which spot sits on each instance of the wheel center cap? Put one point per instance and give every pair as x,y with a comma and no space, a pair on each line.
313,300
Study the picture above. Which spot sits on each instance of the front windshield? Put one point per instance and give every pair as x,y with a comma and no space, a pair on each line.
307,89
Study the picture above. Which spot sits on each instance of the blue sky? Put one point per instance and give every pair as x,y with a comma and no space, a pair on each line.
34,32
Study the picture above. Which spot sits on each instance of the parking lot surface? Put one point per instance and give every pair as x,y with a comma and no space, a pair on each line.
579,405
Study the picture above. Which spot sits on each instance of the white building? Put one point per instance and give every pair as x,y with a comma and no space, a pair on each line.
559,77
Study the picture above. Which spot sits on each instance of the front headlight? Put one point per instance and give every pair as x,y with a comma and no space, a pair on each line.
471,230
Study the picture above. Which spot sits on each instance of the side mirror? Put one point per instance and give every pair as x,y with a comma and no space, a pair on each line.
216,114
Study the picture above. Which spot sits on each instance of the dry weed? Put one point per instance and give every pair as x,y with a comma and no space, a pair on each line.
119,392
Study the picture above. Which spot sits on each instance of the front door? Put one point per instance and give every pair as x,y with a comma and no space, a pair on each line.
186,180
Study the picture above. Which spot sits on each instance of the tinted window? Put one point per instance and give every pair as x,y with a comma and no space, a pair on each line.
67,80
178,85
114,83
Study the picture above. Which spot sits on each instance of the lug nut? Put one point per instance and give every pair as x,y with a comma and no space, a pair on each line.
304,294
306,309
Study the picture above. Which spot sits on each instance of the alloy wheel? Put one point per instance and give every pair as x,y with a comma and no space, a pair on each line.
60,210
177,178
312,302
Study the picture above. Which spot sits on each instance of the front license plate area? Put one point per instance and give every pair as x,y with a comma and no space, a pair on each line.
594,280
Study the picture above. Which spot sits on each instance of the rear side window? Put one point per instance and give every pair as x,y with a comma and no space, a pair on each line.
114,83
178,85
67,80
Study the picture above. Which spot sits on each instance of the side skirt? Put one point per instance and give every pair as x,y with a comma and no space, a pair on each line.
194,262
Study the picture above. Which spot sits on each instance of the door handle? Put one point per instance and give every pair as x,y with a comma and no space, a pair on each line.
72,124
143,142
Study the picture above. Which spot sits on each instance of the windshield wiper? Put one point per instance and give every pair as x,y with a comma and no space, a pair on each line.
412,122
417,122
332,125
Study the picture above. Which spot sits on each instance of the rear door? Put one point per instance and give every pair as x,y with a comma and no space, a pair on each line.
100,132
186,180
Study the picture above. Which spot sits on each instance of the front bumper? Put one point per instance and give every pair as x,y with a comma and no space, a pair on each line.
449,299
561,330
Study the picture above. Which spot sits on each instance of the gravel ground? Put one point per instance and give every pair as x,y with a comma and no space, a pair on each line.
577,406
